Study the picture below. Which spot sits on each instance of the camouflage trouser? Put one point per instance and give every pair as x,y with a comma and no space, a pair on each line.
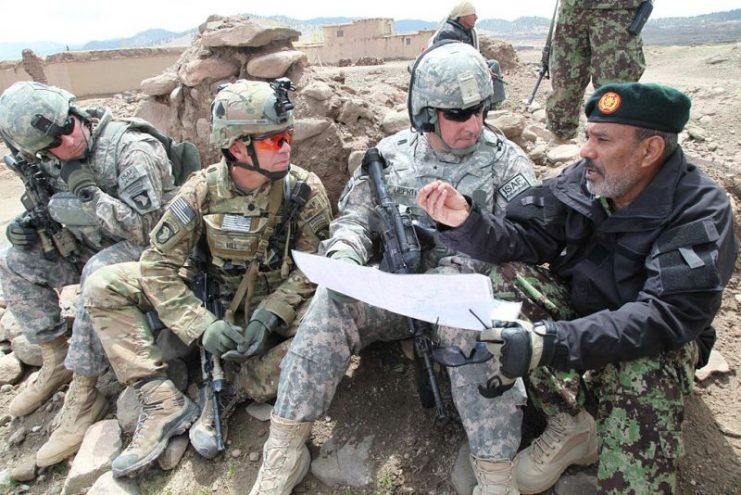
29,283
331,333
117,306
589,43
640,403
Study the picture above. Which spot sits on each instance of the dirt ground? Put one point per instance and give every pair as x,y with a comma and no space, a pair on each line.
411,451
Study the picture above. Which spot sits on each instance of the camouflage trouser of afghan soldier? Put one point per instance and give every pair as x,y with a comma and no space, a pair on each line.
29,285
331,333
639,403
589,43
117,306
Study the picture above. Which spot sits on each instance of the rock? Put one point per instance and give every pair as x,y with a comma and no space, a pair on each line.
6,388
68,298
101,444
203,129
529,136
177,372
576,484
170,344
499,50
563,153
5,419
461,476
354,161
394,121
697,133
275,64
235,453
541,132
248,34
348,465
5,480
260,412
254,456
25,470
10,369
705,120
716,364
540,116
717,59
353,110
106,484
17,437
510,124
318,90
308,128
9,328
175,450
26,352
160,115
196,71
159,85
127,410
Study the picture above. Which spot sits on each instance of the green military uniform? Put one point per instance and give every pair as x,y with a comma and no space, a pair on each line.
590,41
234,225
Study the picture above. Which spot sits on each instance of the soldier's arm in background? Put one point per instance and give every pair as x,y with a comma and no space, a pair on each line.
312,228
172,241
143,179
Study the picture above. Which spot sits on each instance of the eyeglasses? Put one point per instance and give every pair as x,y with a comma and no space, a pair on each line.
54,131
460,115
273,142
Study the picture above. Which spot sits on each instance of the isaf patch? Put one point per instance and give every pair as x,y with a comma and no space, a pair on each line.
514,186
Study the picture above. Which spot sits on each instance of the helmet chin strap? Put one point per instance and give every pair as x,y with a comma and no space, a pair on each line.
255,166
455,151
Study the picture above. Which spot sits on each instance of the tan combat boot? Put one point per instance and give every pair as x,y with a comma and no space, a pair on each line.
285,457
83,406
42,384
566,440
494,477
165,412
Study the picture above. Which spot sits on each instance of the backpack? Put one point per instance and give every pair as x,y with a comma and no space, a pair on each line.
184,156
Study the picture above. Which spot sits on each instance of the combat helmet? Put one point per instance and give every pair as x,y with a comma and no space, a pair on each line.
448,75
32,113
247,108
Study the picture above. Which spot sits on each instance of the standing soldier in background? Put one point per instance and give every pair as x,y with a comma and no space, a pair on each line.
591,41
459,25
118,180
242,216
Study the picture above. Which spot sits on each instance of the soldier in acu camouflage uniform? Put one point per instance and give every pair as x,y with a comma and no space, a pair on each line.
112,183
645,245
450,92
246,213
591,40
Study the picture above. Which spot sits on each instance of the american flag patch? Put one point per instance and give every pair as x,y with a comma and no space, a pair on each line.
236,223
182,211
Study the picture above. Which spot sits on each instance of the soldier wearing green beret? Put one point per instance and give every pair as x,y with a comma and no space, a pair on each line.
644,244
236,221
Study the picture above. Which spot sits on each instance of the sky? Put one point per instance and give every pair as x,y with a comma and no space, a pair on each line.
78,21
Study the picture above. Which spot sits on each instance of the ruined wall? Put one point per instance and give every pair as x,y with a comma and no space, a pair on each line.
96,72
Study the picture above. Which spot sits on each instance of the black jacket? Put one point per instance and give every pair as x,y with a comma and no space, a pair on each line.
453,30
646,279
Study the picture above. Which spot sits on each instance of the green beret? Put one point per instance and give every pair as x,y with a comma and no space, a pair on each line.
651,106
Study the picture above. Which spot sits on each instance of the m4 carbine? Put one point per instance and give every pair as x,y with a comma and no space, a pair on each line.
402,254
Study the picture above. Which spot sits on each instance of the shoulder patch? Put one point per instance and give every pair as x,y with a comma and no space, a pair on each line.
513,187
165,232
182,211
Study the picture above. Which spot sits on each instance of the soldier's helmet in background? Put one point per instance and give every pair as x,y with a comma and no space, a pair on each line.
249,108
448,75
32,114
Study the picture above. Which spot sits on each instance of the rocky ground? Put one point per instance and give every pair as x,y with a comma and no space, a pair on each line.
376,438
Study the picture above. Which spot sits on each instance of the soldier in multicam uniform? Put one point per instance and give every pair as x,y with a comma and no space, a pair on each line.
113,183
645,245
237,208
591,40
450,91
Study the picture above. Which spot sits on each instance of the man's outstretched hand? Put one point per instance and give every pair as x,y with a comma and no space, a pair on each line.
443,203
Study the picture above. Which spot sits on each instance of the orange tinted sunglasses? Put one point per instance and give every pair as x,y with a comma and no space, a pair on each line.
273,142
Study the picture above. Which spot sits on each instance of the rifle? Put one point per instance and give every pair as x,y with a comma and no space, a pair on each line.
402,254
545,71
55,239
213,374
